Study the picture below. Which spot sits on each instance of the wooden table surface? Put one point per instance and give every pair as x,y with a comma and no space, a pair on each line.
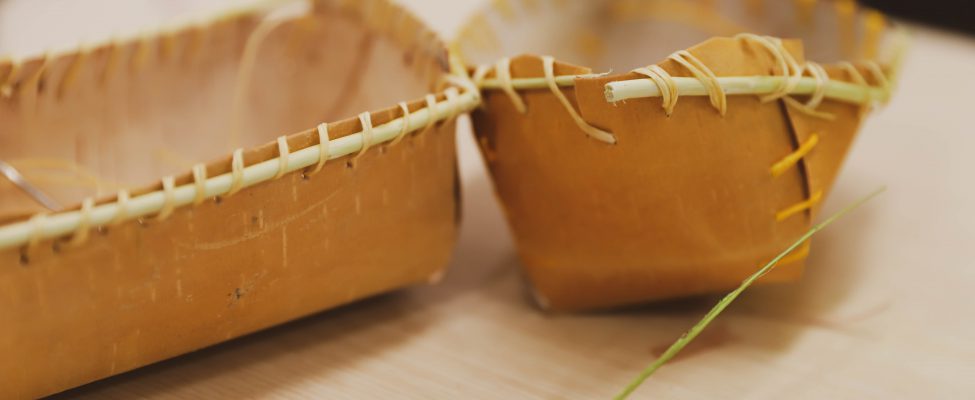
884,310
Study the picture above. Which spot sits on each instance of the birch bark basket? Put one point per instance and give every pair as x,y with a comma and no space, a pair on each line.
133,268
687,173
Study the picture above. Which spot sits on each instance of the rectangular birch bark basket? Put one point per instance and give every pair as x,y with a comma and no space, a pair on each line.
128,272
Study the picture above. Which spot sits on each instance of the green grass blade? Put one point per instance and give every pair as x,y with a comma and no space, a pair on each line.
689,336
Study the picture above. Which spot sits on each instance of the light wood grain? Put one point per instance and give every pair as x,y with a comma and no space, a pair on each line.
883,311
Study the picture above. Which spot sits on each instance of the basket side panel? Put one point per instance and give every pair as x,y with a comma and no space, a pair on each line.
143,292
681,205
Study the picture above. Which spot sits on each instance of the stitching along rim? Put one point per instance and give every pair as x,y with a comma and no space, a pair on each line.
48,226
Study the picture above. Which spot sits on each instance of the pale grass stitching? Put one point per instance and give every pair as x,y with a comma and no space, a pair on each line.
452,94
480,73
37,224
791,73
668,88
502,71
881,77
820,76
548,64
84,223
122,202
323,148
366,120
406,123
236,172
199,181
477,79
716,94
140,59
283,152
790,68
854,73
169,198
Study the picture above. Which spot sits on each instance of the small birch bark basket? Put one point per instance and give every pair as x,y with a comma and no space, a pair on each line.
121,277
680,177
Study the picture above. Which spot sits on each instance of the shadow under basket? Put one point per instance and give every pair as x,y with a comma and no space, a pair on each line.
677,178
279,230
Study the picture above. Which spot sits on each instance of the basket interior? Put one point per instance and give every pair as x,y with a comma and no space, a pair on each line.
123,115
620,35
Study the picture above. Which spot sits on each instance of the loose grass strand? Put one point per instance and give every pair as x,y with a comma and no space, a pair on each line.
689,336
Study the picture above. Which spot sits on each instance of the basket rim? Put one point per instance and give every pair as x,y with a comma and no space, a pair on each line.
167,196
175,191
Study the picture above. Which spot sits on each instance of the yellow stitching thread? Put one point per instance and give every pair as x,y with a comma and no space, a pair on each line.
84,223
700,71
548,63
793,158
796,255
406,123
169,198
199,181
283,153
323,148
122,207
366,120
665,83
236,172
799,207
502,71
